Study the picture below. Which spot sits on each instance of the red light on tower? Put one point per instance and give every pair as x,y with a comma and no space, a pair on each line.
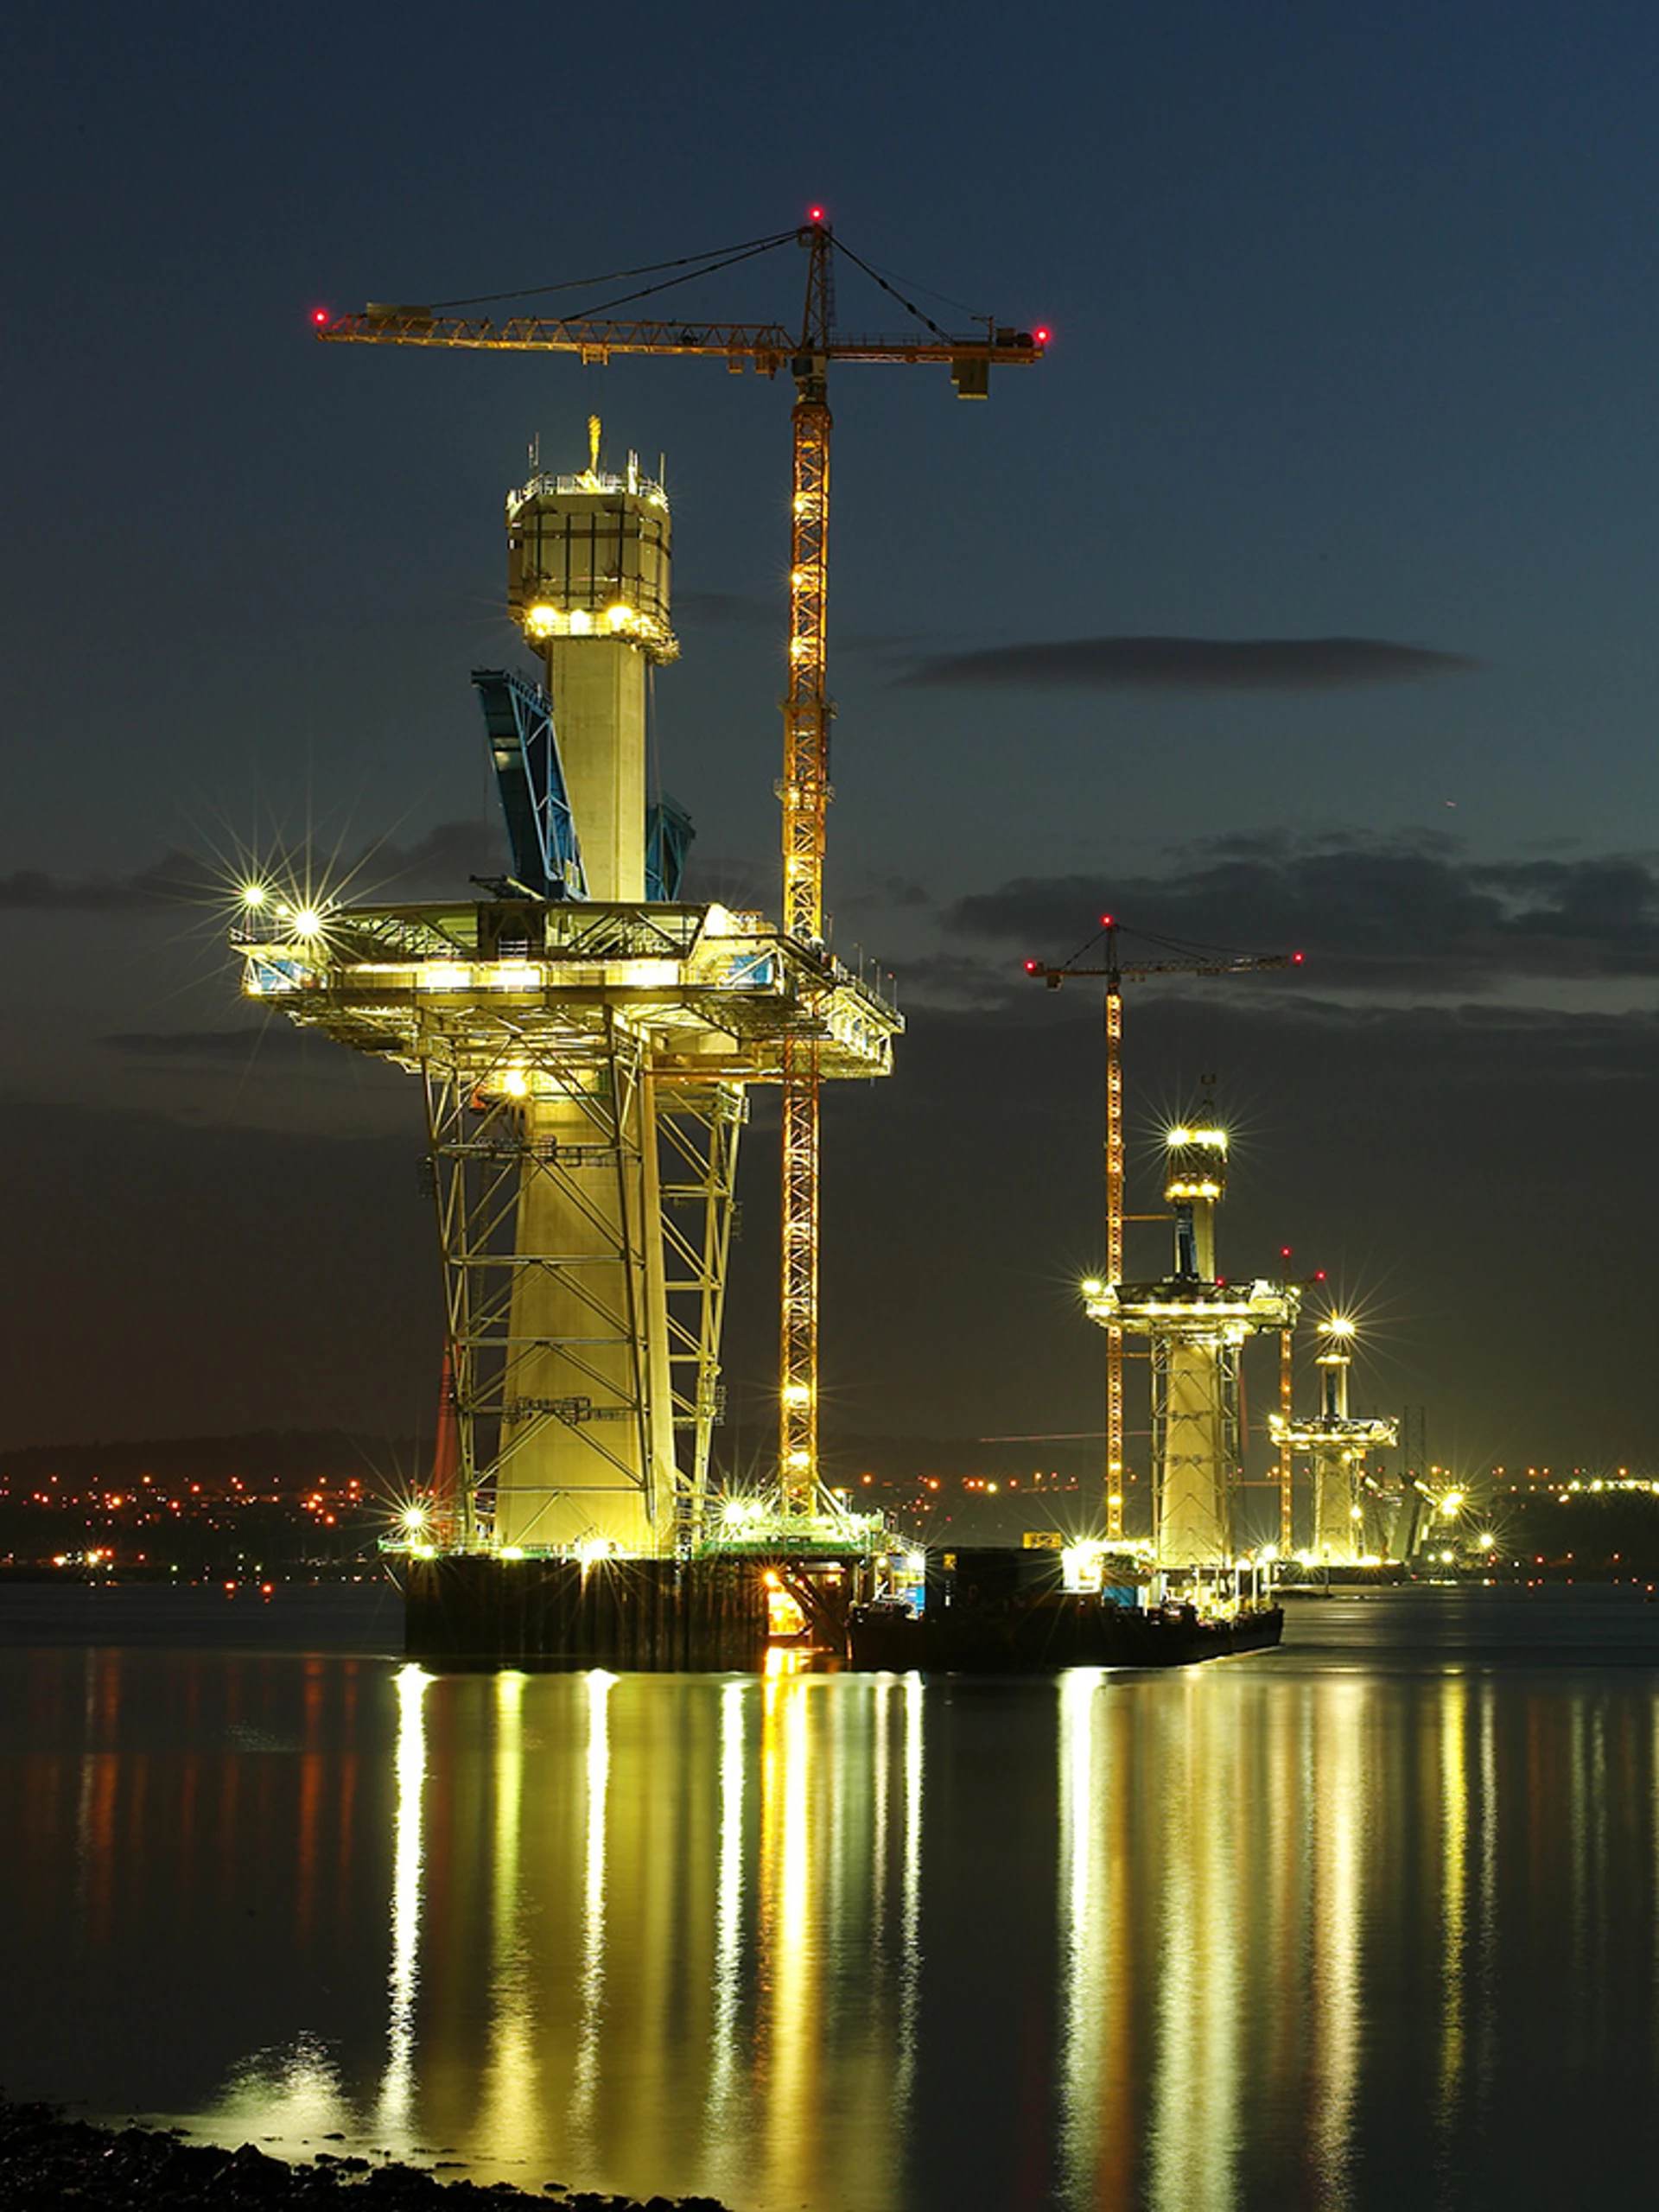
1105,921
1031,968
1040,335
815,214
319,315
1297,958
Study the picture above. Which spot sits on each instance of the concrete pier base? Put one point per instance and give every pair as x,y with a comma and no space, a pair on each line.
656,1616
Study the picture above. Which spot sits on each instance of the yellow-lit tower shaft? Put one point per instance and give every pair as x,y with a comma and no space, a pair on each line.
1196,1325
1116,973
1195,1374
1335,1442
589,1326
1338,1536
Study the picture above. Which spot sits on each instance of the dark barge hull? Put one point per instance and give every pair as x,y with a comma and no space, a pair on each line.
640,1615
1045,1633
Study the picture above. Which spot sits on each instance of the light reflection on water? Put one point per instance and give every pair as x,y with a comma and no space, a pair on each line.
1367,1923
398,2082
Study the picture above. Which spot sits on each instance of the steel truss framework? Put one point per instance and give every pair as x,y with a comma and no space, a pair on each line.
1116,1473
586,1073
697,1132
1195,1439
1335,1447
494,1172
1195,1332
805,794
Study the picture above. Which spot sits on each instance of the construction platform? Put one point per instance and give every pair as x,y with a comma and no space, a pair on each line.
476,987
586,1066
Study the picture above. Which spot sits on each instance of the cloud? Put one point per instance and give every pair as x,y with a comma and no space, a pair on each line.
440,864
1187,665
871,888
1414,912
179,879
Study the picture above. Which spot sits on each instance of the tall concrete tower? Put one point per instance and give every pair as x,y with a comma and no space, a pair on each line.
585,1040
1335,1443
588,580
1195,1323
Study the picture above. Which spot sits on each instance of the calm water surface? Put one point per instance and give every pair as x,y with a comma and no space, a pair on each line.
1373,1921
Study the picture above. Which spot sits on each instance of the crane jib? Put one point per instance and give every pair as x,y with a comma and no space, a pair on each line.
765,344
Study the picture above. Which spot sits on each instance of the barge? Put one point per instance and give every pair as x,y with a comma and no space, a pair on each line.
1005,1612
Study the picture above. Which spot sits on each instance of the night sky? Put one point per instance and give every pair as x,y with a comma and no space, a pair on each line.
1301,598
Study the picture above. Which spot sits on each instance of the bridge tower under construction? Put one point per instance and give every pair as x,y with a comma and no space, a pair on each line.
1195,1323
1335,1443
585,1040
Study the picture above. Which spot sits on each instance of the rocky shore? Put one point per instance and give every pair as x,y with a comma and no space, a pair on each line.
47,2160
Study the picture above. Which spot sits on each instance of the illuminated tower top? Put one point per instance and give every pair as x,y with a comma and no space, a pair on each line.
1195,1181
1334,1359
588,557
588,582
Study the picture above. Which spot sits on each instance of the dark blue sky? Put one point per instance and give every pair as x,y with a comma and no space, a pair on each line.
1355,332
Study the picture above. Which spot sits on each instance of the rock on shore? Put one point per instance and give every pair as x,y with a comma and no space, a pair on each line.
48,2160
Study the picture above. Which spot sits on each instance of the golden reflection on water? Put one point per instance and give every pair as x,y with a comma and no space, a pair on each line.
1251,1874
397,2081
1454,1878
669,1929
728,1926
510,2095
584,2086
1338,1872
1314,1932
791,1838
1195,2105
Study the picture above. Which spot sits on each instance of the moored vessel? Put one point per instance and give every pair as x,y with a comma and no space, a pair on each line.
996,1612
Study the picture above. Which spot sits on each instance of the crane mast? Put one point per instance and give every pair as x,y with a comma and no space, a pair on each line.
804,793
1114,972
803,790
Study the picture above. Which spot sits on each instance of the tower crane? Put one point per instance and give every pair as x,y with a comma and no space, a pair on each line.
804,792
1208,961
